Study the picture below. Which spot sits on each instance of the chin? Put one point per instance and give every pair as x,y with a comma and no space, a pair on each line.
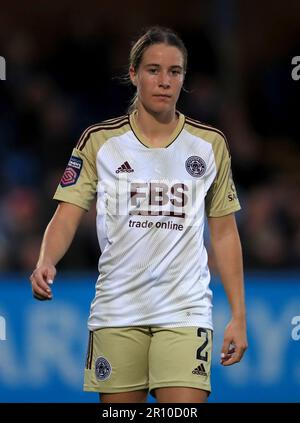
161,109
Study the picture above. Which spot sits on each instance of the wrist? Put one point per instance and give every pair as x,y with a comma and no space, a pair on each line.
238,309
44,262
240,315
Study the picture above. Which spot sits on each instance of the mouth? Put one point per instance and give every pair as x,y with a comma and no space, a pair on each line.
162,96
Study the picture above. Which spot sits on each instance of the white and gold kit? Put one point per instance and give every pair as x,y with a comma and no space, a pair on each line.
151,205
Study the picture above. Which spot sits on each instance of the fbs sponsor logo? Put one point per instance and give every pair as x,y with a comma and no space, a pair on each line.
125,168
200,370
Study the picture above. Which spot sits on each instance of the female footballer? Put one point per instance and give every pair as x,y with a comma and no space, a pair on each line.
156,174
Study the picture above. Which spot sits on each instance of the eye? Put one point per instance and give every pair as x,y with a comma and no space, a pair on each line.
175,72
153,71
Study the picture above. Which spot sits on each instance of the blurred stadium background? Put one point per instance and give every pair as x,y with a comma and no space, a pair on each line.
63,60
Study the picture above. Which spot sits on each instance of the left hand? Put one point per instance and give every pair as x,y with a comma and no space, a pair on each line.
235,342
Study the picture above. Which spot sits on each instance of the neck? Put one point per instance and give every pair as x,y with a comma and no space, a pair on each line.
155,125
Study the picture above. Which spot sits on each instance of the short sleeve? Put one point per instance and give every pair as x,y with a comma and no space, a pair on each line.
79,182
221,198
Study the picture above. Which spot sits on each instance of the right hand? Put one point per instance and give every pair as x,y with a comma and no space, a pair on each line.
41,279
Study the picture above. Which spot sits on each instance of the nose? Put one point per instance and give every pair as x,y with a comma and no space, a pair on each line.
164,80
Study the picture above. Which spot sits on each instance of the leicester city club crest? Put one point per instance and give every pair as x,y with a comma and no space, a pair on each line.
102,368
195,166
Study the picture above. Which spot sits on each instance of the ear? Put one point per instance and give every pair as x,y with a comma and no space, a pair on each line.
132,75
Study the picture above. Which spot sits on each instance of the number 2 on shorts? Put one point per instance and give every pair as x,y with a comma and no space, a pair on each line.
203,356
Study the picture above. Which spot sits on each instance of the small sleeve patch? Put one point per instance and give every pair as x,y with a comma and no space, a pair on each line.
72,172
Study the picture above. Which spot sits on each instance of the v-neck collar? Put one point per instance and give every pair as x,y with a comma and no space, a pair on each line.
142,139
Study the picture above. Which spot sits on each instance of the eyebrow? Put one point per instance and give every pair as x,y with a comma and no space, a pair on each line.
157,65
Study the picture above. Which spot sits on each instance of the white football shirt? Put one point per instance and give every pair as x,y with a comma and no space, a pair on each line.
151,205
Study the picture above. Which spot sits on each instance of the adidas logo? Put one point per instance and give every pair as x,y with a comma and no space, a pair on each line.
200,370
125,167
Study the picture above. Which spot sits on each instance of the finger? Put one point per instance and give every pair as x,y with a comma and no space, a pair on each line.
233,358
41,297
225,358
38,281
46,293
227,354
49,275
239,353
225,348
44,286
42,290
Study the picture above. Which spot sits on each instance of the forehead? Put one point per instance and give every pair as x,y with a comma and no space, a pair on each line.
163,54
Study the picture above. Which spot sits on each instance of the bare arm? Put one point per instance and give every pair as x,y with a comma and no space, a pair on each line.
228,253
56,241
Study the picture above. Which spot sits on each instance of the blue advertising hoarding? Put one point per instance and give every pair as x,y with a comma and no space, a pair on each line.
43,344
